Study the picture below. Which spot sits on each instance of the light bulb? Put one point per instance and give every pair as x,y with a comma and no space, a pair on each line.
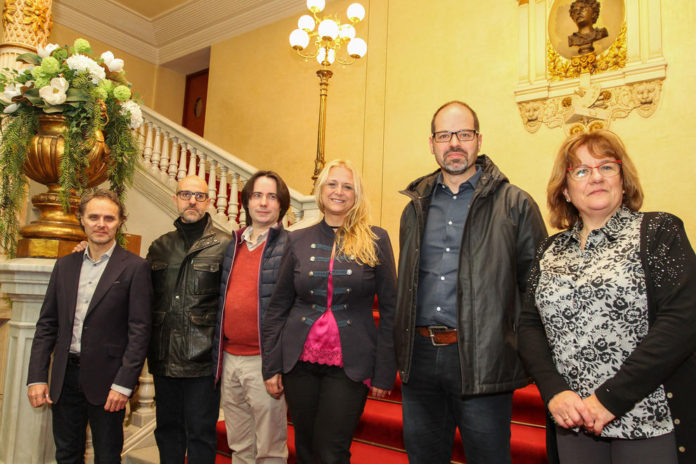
321,55
355,12
299,39
315,6
346,31
306,23
328,29
357,48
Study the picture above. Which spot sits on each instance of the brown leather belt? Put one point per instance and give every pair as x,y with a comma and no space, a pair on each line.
438,335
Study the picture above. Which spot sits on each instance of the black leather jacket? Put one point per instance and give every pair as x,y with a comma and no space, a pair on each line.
502,231
186,286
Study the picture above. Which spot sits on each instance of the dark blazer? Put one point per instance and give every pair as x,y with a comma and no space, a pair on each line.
300,298
116,330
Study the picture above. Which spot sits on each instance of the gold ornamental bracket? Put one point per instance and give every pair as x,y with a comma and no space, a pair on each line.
585,63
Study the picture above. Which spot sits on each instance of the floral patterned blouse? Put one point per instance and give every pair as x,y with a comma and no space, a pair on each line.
594,308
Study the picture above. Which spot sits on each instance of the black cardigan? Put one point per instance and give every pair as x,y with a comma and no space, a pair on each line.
667,354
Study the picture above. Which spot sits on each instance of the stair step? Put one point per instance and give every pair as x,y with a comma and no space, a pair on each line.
149,455
527,406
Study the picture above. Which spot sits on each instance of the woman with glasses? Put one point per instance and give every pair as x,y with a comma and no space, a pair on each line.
608,330
320,342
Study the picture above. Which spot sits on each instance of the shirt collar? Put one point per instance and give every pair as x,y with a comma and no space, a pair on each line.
472,181
611,229
246,235
107,254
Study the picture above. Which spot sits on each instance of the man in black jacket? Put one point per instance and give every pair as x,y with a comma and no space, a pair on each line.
185,277
256,422
468,239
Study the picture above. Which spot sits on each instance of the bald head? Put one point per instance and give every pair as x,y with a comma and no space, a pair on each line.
193,208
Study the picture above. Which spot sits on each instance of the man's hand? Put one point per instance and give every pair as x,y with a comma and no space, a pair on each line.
601,415
115,401
80,246
274,386
568,410
38,395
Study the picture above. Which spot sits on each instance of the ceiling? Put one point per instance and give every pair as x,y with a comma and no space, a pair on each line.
173,33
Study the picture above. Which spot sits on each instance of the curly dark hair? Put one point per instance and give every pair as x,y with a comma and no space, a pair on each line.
577,4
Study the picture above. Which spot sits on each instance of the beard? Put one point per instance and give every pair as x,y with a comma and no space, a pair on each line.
458,167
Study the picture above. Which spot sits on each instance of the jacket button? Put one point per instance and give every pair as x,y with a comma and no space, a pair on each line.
314,306
312,258
311,273
682,449
313,245
349,272
677,422
176,297
670,395
304,318
311,292
349,322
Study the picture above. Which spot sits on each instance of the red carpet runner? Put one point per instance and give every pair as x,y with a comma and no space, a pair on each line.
378,438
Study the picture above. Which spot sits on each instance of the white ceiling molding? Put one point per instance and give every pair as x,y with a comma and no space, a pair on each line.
176,33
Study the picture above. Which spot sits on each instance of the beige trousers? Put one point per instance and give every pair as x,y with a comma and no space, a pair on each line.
257,428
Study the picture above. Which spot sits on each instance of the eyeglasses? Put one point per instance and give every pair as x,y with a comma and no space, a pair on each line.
463,135
606,169
186,195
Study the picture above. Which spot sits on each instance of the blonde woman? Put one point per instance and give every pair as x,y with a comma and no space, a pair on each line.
321,346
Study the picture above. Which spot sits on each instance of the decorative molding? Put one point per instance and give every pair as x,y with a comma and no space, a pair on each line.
590,107
176,33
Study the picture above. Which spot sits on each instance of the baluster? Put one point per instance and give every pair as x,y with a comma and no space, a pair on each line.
233,207
201,165
157,149
164,160
240,207
140,137
173,160
222,192
147,151
181,173
192,160
211,186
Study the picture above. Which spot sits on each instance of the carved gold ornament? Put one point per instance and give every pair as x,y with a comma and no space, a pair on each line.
591,108
8,12
37,14
559,67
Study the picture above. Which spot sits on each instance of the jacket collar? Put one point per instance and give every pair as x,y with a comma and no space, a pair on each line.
209,237
491,178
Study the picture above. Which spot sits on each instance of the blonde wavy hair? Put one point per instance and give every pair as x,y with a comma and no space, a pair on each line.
354,237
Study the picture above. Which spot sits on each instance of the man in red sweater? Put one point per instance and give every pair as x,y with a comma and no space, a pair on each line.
256,422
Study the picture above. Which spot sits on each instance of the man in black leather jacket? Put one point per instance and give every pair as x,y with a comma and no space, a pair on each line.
468,239
186,277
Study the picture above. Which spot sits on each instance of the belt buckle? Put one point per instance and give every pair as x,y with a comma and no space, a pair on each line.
432,330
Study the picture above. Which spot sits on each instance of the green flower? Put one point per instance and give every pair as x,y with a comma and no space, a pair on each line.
41,82
50,65
37,72
100,93
107,85
122,93
82,46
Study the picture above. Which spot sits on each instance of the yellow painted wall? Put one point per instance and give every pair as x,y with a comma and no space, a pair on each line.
159,88
263,102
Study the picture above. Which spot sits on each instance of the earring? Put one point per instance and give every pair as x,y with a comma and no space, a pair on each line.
567,198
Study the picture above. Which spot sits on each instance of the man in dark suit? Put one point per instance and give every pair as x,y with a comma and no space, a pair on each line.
95,319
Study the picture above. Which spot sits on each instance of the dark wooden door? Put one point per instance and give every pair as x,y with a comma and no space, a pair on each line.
195,101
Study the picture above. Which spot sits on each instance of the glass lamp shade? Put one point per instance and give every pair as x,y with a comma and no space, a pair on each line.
321,56
356,12
306,23
346,31
299,39
357,48
315,6
328,29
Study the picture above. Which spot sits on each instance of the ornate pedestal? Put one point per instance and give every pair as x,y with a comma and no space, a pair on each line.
25,432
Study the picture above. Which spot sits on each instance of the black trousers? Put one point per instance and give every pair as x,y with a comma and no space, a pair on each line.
325,407
187,413
72,412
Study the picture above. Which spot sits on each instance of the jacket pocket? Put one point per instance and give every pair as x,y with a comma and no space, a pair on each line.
200,340
206,277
